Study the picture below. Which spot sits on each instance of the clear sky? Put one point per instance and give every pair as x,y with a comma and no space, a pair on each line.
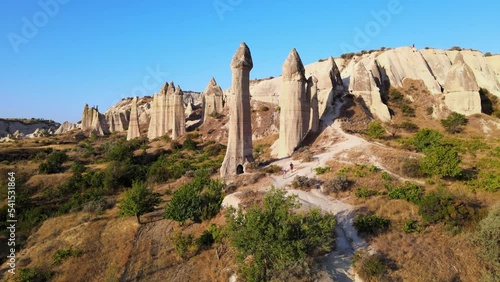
57,55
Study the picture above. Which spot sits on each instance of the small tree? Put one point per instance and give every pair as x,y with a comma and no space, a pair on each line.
138,201
375,130
454,123
426,138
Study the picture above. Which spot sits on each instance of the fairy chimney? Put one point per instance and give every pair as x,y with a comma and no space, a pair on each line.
239,146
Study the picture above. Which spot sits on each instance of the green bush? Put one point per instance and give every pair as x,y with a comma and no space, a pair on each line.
197,200
54,163
303,182
409,126
277,238
426,138
407,110
487,237
408,191
410,226
410,167
34,275
190,144
375,130
183,244
63,254
321,170
441,160
369,267
371,223
442,206
138,201
386,176
338,184
365,193
454,123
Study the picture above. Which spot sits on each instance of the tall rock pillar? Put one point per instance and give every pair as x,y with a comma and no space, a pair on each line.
312,89
239,146
133,130
177,119
294,105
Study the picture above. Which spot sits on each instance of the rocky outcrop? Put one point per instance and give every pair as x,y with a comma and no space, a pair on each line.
239,146
312,89
362,84
66,127
133,127
94,122
461,88
294,105
21,128
117,121
178,119
329,83
213,101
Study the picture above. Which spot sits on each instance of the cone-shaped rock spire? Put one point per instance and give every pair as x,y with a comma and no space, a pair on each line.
239,146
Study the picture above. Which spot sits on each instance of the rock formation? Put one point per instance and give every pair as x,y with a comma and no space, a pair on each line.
363,85
312,89
239,146
65,127
212,99
461,89
93,121
133,126
294,105
117,121
178,119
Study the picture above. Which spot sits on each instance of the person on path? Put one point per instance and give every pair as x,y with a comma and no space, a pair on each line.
291,167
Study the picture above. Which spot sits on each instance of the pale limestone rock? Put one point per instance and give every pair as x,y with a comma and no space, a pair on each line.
362,84
117,121
93,121
212,99
154,121
312,89
294,105
438,62
178,119
460,77
239,146
66,127
461,89
133,127
330,85
405,62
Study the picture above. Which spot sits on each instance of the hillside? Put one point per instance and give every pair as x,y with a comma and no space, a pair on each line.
394,186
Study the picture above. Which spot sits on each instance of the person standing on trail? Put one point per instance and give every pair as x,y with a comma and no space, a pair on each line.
291,167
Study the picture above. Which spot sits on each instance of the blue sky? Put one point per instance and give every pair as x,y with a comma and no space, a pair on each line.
57,55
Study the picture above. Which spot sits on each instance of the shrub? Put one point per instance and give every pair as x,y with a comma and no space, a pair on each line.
303,182
183,244
442,206
386,176
375,130
34,275
63,254
321,170
407,110
426,138
138,201
489,103
429,110
371,224
263,108
197,200
487,238
408,191
276,238
365,193
409,126
338,184
273,169
487,54
456,48
190,144
454,123
441,160
410,167
410,226
54,163
369,267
